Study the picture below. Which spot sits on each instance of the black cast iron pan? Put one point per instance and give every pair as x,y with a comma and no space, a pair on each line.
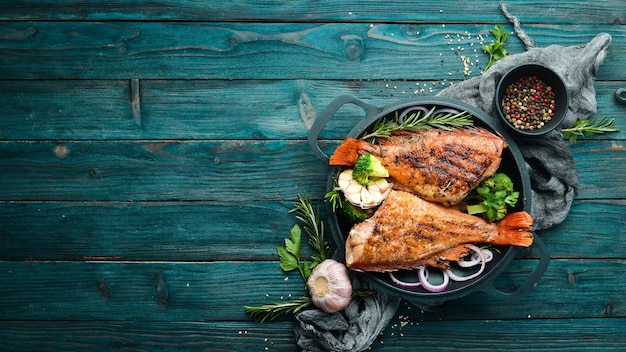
512,164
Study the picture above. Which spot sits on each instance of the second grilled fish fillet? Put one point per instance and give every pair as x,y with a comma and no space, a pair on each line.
438,165
407,232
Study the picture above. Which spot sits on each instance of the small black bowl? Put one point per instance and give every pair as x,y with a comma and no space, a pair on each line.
550,79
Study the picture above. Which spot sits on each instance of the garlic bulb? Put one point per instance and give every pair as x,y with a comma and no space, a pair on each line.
329,286
364,197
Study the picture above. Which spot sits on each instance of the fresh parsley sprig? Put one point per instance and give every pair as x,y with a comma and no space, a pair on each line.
589,127
418,120
496,48
289,254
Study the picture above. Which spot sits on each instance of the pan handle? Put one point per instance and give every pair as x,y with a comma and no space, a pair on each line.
322,120
531,280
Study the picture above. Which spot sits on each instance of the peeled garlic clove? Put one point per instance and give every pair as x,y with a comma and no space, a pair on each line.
343,181
353,198
356,188
377,198
366,197
329,286
382,185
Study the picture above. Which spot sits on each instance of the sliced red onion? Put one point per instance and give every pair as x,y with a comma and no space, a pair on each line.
475,259
410,110
403,283
472,261
481,257
424,276
487,254
478,256
447,111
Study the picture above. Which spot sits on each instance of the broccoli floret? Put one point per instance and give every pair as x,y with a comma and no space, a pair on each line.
368,166
499,182
493,196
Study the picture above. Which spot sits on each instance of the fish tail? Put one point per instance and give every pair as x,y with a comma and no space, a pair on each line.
348,152
515,229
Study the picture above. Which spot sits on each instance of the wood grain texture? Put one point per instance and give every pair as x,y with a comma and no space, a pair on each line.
216,231
212,109
150,152
216,170
161,50
327,10
178,231
218,291
402,335
160,170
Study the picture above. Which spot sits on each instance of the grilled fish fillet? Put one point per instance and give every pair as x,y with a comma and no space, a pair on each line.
438,165
407,232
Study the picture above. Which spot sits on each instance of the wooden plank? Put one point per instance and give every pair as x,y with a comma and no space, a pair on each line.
600,239
74,109
216,170
140,50
402,334
496,335
207,231
572,12
593,160
159,170
176,231
218,291
146,336
210,109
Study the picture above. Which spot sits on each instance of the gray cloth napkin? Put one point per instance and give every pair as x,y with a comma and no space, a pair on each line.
553,175
353,329
554,179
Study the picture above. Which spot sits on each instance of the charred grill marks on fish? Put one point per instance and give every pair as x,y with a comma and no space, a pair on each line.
440,166
407,232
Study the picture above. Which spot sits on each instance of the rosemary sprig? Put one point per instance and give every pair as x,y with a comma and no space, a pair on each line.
417,121
313,226
272,311
589,127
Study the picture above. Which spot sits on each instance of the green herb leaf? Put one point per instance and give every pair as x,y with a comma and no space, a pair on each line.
288,261
496,48
589,127
290,253
294,241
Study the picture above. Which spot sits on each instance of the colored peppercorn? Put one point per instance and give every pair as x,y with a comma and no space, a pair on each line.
528,103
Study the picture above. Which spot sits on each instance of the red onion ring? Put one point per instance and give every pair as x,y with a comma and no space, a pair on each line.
447,111
403,283
487,254
478,256
475,259
423,276
411,109
481,257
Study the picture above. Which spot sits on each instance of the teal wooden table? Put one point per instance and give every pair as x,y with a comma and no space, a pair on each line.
150,153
